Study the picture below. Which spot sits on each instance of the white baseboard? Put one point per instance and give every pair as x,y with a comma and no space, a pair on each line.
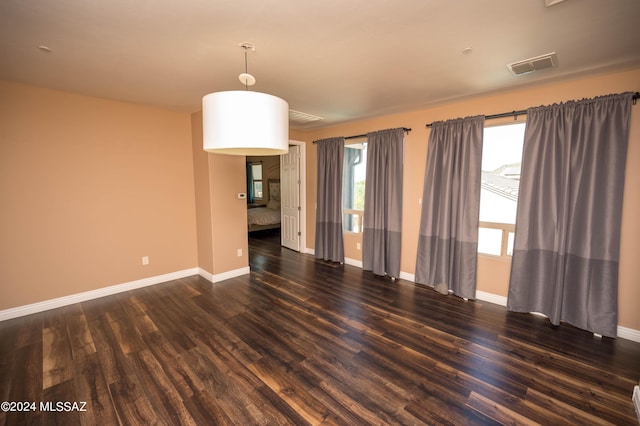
491,298
206,275
407,276
629,334
353,262
223,276
59,302
310,251
480,295
623,332
45,305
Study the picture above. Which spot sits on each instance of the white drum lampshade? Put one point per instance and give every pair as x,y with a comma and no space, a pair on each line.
245,123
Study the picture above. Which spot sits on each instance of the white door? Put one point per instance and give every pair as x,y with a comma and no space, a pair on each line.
290,197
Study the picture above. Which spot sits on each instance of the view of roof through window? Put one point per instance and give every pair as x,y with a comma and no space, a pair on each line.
501,161
501,157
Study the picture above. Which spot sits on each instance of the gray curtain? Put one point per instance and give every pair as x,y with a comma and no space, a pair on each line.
448,239
565,259
381,237
250,194
329,242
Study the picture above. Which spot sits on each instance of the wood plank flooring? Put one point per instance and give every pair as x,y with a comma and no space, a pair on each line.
299,342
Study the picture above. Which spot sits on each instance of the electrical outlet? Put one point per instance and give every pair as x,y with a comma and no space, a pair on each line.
358,246
239,252
145,260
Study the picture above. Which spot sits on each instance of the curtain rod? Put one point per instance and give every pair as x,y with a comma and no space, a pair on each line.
515,114
406,129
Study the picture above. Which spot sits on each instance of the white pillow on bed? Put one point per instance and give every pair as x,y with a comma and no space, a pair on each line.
273,204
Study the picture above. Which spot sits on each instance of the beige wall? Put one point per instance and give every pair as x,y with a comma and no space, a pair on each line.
87,187
222,216
203,196
493,273
90,186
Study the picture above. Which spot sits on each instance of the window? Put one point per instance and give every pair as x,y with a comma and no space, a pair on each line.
256,172
501,159
353,181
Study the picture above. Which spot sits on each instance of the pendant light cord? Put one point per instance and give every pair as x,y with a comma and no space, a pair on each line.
246,70
246,78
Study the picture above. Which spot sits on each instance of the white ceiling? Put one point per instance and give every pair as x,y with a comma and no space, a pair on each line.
339,59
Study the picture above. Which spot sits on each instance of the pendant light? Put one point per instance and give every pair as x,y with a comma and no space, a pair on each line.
243,122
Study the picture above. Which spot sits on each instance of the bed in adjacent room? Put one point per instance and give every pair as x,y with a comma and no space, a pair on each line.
267,217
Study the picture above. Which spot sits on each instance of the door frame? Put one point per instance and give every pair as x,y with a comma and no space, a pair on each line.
302,222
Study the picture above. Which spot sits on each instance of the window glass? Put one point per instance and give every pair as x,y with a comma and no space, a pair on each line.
501,162
489,241
257,189
353,183
256,171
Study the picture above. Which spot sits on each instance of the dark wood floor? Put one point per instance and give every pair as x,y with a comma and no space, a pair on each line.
303,342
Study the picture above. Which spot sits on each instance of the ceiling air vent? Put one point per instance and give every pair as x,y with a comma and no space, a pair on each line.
298,117
550,60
